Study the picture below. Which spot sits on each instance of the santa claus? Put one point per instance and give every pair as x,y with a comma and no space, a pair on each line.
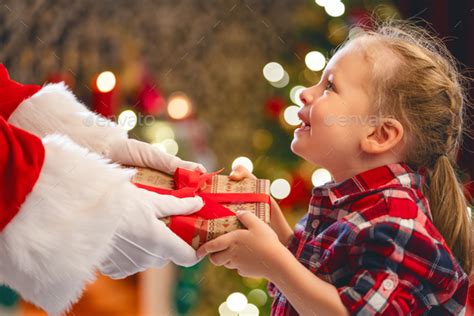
67,208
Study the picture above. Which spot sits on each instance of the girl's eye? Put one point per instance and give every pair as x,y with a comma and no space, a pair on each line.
329,85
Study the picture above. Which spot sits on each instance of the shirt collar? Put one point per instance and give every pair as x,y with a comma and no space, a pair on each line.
391,175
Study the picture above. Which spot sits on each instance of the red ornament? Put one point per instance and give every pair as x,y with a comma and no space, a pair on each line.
300,193
57,77
104,103
150,100
274,106
469,190
360,17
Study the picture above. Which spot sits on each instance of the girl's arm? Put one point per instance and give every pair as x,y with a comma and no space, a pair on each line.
256,252
277,221
279,224
307,293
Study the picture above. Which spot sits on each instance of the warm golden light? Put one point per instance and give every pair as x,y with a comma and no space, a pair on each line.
179,106
106,81
243,161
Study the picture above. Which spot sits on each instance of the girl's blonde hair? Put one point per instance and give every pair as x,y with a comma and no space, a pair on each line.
417,81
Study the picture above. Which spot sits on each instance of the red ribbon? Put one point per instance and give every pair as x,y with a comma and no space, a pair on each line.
190,183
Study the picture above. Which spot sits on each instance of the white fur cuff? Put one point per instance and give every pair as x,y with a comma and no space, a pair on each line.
55,109
64,229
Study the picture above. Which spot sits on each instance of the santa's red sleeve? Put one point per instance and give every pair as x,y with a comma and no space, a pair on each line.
60,205
21,159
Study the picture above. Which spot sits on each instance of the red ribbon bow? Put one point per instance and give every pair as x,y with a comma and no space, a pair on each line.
190,183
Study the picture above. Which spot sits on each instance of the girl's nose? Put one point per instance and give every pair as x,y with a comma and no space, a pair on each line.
305,97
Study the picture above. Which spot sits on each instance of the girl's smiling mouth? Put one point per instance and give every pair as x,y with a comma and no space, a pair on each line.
305,125
303,128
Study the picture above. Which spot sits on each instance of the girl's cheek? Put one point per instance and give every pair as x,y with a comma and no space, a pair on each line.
319,117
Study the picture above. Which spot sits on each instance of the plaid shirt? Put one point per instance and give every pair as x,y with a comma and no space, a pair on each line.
372,237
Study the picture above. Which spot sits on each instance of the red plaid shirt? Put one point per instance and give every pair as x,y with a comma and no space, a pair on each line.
372,237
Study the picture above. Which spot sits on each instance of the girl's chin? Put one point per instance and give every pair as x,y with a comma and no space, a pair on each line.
296,147
304,152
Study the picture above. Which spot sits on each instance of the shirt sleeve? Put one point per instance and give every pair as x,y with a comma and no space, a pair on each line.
398,269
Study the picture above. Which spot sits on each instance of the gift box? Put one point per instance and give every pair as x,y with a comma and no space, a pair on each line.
222,196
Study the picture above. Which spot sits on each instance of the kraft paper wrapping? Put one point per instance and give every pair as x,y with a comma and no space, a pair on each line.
198,229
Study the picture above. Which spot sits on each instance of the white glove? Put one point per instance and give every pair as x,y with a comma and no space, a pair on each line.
142,241
135,153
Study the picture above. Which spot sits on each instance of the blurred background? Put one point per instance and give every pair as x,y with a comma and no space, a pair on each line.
211,81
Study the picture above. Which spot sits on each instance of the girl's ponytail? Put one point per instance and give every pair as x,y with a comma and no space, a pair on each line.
450,213
422,87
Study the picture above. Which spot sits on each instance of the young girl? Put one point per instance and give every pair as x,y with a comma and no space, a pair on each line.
391,235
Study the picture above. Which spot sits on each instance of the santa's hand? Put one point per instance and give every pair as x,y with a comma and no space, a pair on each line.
139,154
55,109
143,241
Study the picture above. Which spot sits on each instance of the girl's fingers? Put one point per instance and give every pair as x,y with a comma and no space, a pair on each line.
249,220
230,265
239,172
219,244
220,258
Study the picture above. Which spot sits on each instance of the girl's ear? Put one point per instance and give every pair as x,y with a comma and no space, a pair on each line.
382,137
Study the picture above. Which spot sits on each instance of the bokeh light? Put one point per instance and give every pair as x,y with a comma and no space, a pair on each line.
106,81
127,120
243,161
295,94
257,297
252,282
179,106
291,115
320,177
283,82
171,146
273,72
337,31
158,132
322,3
335,8
236,302
315,61
225,311
280,189
250,310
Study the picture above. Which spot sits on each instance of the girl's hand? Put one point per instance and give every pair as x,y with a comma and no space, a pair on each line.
277,221
251,251
239,172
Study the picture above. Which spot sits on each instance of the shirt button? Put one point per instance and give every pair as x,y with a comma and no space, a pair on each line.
315,223
387,284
